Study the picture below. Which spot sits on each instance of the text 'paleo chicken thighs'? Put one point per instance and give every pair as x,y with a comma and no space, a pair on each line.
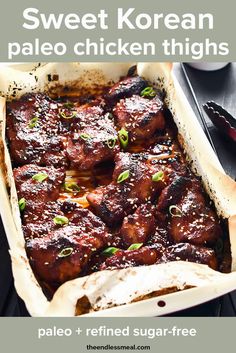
141,117
64,253
132,185
33,131
93,138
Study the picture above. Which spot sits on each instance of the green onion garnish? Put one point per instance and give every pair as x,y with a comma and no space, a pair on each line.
123,137
123,176
148,92
40,177
68,105
71,186
135,246
33,122
85,136
22,204
158,176
111,142
64,116
110,116
175,211
110,251
60,220
66,252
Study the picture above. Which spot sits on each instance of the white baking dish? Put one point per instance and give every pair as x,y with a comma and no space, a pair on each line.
114,293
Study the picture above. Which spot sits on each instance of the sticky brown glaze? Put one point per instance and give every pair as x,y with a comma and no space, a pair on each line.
40,223
137,227
141,117
64,253
160,236
36,224
139,185
108,203
131,258
172,193
113,202
125,88
35,141
189,252
36,193
197,223
93,138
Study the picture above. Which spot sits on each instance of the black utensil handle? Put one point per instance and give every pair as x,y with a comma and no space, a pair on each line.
199,109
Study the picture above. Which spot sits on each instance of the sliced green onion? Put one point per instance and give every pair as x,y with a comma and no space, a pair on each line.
175,211
135,246
111,142
71,186
123,137
64,116
110,251
110,116
123,176
66,252
40,177
158,176
60,220
33,122
148,92
68,105
85,136
22,204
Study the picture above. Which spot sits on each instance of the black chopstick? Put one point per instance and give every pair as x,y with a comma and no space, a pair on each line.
199,109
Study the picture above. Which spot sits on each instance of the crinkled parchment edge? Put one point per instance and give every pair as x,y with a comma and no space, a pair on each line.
113,293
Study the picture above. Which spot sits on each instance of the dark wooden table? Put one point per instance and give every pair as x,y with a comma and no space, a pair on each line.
219,86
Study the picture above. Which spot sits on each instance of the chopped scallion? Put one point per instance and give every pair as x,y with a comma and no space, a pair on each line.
40,177
135,246
66,252
60,220
85,136
33,122
158,176
71,186
70,116
22,204
111,142
123,176
110,251
148,92
123,137
175,211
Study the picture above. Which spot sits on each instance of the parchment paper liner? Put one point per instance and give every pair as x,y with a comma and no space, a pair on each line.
114,293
